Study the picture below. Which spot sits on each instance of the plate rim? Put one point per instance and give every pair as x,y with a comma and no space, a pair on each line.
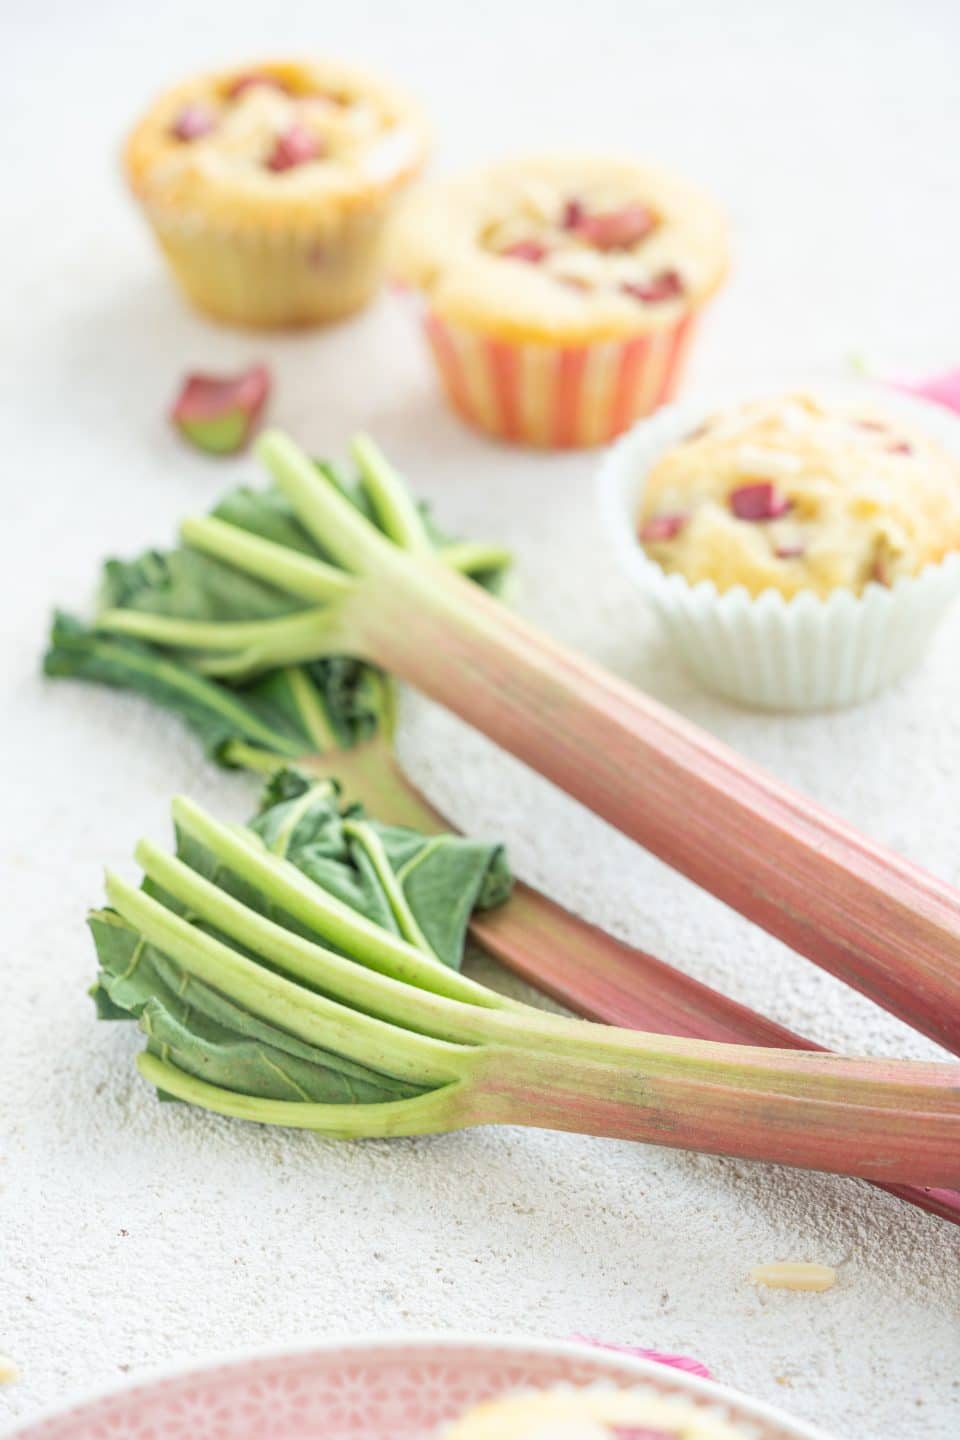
751,1407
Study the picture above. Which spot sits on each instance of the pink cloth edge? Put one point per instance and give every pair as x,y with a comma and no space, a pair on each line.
942,389
677,1362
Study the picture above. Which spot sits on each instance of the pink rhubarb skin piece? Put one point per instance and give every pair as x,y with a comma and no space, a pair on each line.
668,285
637,1432
193,122
294,147
612,229
573,214
530,250
759,501
662,527
218,413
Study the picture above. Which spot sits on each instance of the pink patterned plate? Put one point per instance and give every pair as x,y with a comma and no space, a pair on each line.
401,1388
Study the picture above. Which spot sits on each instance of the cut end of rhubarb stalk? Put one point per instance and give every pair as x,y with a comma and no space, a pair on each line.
218,414
294,147
760,501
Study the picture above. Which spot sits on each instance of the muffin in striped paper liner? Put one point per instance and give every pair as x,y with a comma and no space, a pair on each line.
269,187
560,294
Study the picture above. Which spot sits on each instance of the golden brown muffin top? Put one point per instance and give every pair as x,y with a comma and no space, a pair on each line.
562,248
275,143
791,494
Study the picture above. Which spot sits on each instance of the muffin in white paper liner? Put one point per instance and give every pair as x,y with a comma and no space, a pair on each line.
766,651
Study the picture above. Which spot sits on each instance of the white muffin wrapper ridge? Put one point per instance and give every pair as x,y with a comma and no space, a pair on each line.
769,652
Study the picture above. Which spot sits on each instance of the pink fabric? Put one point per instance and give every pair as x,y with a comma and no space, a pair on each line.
941,389
679,1362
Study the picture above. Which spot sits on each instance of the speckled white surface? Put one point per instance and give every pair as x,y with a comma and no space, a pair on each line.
131,1233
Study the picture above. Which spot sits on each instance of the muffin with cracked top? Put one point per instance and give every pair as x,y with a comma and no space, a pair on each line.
269,186
792,494
561,292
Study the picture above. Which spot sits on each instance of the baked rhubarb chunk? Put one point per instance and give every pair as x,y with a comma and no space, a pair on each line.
269,186
792,494
560,292
593,1414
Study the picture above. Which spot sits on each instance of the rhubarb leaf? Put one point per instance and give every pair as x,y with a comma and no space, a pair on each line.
442,879
186,584
207,1032
394,1043
285,713
189,585
192,1026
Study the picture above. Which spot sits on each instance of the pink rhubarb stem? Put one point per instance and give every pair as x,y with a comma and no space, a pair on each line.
577,963
880,1120
877,922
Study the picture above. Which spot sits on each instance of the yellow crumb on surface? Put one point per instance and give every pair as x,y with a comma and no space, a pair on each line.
794,1275
9,1373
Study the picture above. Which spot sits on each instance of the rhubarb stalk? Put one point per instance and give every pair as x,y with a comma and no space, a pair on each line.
566,957
877,922
333,708
239,918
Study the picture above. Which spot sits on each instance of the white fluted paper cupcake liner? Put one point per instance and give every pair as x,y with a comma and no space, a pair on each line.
805,653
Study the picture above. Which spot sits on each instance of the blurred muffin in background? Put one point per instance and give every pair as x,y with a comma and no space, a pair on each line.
269,187
561,293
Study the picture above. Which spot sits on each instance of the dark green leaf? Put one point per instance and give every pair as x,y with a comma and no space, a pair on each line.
266,713
286,712
444,878
205,1034
191,586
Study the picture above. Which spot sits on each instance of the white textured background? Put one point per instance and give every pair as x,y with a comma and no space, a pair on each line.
130,1234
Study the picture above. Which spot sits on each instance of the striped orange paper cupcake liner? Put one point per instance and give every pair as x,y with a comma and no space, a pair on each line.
552,396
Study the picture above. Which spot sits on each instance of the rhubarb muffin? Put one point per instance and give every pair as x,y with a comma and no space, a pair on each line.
593,1414
560,293
793,494
269,187
799,549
